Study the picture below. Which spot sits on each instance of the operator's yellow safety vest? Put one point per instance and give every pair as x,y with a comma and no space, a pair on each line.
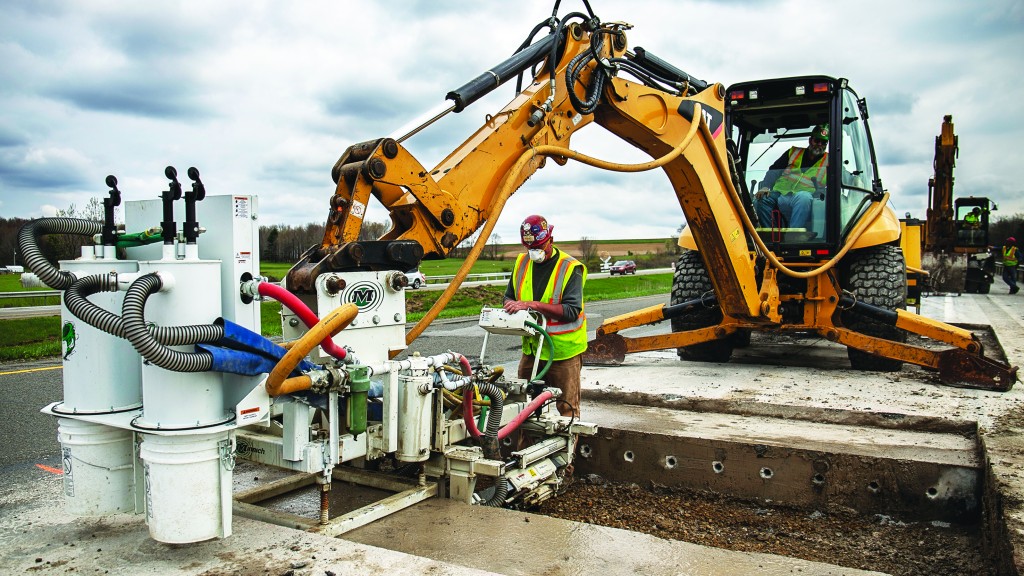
794,179
972,218
569,337
1009,256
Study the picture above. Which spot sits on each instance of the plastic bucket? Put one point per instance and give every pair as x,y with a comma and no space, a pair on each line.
99,471
188,488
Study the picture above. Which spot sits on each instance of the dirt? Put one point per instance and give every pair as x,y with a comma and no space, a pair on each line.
841,537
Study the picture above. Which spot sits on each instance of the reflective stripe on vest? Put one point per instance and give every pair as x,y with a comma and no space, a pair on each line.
569,338
794,179
1010,256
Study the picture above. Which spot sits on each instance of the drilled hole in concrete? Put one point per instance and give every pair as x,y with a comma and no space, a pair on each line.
767,473
873,487
586,451
670,462
718,467
818,479
931,492
628,456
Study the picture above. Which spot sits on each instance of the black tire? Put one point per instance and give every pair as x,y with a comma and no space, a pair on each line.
416,284
691,281
876,276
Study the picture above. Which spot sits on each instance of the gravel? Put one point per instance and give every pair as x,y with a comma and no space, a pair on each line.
842,537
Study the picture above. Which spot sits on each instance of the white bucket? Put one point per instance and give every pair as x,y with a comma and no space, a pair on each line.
188,487
99,472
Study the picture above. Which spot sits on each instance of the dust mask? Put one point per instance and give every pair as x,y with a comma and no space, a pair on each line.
537,255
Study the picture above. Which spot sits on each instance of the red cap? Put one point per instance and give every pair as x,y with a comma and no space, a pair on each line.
1011,240
535,231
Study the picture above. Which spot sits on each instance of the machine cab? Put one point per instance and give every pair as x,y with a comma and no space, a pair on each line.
971,215
804,212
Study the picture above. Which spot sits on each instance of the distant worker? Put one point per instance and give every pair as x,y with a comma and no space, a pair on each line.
550,282
1010,264
973,218
792,181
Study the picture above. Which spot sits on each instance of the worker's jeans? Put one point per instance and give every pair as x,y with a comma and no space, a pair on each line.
795,209
564,375
1010,276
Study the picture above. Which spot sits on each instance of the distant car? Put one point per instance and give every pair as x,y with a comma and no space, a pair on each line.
416,278
622,267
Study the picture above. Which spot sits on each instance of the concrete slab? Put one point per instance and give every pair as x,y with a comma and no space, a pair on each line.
37,538
517,543
809,379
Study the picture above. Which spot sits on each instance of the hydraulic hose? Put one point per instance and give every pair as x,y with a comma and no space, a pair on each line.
76,298
505,191
144,342
496,404
550,346
330,325
28,244
292,302
526,412
500,491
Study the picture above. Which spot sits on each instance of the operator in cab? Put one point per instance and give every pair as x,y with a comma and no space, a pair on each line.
550,282
792,182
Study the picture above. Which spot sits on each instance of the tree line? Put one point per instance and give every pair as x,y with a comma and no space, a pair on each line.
284,243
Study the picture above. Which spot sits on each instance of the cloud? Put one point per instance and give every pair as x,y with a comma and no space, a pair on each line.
41,168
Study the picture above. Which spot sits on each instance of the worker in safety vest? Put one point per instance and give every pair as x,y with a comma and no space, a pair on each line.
973,218
1010,264
784,196
550,282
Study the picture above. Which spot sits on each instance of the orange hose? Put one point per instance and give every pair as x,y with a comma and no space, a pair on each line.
327,327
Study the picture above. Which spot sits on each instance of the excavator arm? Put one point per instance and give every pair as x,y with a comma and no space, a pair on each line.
675,119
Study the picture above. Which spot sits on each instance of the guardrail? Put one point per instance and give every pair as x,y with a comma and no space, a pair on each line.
28,294
503,276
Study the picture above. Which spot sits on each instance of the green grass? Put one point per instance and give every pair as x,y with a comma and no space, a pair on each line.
28,338
40,337
12,283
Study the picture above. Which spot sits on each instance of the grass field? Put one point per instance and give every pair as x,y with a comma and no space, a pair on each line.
40,337
29,338
468,301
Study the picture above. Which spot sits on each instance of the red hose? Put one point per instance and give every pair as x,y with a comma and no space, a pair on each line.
522,416
292,302
467,412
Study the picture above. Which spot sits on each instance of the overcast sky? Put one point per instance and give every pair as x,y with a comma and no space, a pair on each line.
263,97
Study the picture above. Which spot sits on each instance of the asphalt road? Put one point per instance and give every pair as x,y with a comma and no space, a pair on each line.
29,437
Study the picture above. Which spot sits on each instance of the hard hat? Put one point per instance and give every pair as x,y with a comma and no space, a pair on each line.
535,231
820,132
1011,240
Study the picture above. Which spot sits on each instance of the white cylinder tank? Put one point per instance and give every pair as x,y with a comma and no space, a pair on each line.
99,470
102,373
414,417
176,400
188,486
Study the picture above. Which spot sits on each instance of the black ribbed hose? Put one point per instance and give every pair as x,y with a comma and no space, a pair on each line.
145,343
76,298
500,491
489,436
28,243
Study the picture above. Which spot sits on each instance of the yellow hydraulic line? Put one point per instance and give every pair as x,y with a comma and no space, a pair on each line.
506,190
327,327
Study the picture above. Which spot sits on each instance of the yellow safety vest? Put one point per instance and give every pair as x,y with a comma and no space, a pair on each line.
1010,256
569,337
794,179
